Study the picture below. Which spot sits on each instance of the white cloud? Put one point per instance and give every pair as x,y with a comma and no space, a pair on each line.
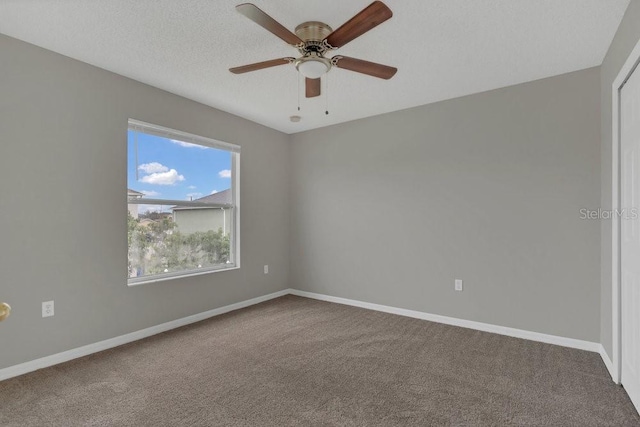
213,191
188,144
192,187
163,178
150,193
193,196
153,167
224,173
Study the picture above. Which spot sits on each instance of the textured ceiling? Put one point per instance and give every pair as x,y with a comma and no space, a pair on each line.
442,48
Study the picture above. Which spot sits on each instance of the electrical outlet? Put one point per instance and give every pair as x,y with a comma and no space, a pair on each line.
458,285
47,309
266,269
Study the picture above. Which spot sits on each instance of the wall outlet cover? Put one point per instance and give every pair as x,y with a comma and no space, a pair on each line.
47,309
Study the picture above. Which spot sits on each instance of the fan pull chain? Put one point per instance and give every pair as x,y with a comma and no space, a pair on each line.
298,90
326,93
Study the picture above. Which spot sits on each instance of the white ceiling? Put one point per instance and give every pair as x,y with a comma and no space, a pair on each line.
442,48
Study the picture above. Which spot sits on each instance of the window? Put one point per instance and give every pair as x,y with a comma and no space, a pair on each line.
183,204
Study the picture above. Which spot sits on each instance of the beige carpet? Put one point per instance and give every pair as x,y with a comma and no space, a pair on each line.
295,361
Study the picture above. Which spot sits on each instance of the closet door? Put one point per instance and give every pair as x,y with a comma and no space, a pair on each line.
630,235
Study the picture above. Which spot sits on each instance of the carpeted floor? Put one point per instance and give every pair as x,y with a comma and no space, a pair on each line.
295,361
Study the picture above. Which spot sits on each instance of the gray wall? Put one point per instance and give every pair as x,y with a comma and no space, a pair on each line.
487,188
625,40
63,130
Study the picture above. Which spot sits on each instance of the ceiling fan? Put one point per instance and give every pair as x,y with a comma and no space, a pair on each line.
314,39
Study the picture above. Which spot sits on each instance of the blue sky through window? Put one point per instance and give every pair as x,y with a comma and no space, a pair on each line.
175,170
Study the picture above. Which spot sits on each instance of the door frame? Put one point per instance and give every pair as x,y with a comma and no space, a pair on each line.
627,69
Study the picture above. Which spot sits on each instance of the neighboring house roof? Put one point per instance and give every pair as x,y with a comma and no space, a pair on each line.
221,197
134,193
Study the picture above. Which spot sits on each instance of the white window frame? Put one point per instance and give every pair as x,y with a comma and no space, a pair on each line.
234,250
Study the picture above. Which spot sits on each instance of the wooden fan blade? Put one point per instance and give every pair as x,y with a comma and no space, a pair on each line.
312,87
252,12
365,67
260,65
372,16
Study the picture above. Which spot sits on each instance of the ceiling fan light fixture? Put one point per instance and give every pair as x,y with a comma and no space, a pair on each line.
313,66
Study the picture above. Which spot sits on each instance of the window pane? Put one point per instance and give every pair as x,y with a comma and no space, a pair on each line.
168,239
182,211
169,169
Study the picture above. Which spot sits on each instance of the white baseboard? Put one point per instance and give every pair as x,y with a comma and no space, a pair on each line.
607,361
44,362
486,327
65,356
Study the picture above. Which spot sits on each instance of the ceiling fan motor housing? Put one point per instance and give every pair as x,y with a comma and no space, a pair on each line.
312,33
313,64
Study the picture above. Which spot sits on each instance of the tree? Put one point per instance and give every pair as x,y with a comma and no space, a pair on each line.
158,246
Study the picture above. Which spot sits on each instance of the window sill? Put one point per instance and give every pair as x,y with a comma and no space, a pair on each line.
174,276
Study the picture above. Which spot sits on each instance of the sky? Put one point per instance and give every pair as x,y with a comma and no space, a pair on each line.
175,170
